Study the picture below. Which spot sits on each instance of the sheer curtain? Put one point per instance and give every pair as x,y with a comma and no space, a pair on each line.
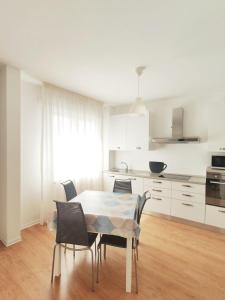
71,144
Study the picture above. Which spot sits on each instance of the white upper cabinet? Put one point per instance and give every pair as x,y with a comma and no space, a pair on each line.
216,129
137,133
128,132
117,131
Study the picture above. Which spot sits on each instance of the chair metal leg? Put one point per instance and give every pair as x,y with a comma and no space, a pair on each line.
74,251
98,262
65,248
95,251
137,251
104,251
92,266
135,268
53,263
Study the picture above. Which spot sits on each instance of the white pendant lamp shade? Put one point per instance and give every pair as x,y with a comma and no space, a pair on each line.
139,107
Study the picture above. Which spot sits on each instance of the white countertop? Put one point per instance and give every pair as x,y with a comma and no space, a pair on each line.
145,174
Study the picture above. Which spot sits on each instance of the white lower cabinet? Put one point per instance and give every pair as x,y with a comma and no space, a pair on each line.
178,199
215,216
158,204
188,210
108,182
160,191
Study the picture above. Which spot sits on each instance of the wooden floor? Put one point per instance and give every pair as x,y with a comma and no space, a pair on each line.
176,262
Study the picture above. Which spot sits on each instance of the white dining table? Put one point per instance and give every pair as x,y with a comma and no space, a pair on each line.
109,213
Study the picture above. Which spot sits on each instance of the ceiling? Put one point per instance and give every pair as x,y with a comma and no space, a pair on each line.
93,47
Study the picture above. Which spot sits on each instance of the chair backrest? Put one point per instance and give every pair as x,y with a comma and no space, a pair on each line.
141,203
122,186
69,189
71,225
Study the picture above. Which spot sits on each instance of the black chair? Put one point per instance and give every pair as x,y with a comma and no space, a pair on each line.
71,193
71,229
122,186
70,189
121,242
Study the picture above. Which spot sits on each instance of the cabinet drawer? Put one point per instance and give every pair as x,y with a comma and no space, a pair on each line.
215,216
188,210
159,205
189,187
187,196
148,183
159,192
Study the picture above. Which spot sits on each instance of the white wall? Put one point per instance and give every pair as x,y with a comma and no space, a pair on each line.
10,163
31,152
3,233
181,158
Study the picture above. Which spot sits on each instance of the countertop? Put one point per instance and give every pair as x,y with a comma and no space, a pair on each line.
145,174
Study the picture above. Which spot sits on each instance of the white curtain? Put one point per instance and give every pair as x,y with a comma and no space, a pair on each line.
71,144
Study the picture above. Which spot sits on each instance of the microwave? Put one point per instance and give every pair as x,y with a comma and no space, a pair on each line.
218,162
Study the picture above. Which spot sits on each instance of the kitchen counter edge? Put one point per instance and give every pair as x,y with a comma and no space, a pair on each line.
144,174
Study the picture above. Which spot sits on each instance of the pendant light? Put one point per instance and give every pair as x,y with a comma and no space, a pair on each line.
139,107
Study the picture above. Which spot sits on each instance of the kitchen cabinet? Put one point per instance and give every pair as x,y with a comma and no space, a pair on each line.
117,131
215,216
188,201
188,210
216,129
160,191
128,132
108,182
137,133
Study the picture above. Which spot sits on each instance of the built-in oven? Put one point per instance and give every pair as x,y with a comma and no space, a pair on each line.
215,188
218,162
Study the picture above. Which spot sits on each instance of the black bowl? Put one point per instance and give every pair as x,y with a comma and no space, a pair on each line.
157,166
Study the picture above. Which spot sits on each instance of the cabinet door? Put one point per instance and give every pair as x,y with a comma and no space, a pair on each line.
137,185
117,128
215,216
137,133
109,182
216,136
188,210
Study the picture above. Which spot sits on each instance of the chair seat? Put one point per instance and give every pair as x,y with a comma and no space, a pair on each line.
115,241
91,238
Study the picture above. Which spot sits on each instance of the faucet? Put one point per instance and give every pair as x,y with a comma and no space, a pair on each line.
126,165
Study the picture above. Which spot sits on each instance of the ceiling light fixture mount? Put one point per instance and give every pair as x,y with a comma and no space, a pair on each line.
139,107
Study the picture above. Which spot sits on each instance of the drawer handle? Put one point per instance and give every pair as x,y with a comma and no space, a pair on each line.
157,190
217,182
186,185
138,148
187,204
155,198
118,147
187,195
132,178
221,211
157,181
111,176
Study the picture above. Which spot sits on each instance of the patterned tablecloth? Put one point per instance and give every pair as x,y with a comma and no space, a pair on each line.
110,213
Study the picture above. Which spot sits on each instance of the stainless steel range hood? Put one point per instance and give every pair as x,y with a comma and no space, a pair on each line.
177,131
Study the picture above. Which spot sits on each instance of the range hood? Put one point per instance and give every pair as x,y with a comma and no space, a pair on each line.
177,131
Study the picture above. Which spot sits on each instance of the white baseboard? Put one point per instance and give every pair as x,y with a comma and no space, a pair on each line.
29,224
11,242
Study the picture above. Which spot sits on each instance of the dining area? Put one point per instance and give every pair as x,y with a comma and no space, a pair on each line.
93,221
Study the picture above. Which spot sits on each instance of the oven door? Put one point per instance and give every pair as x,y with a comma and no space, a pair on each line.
215,192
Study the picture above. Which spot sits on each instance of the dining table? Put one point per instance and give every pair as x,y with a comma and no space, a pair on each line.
109,213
